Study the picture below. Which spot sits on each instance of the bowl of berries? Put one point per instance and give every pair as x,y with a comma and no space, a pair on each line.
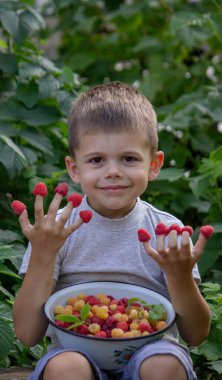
108,320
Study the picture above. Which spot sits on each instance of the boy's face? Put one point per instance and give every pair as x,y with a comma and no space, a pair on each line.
113,170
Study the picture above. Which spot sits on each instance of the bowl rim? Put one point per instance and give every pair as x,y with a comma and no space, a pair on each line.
154,334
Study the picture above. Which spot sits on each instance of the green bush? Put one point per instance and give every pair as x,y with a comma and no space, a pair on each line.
35,96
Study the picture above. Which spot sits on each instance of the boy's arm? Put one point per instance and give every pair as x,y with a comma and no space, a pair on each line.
46,236
193,313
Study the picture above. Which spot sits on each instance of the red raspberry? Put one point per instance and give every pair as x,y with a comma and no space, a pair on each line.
76,199
92,300
62,189
120,309
101,334
189,229
122,325
161,229
111,322
143,235
137,304
207,231
40,189
86,216
174,227
98,320
123,301
82,329
18,207
145,326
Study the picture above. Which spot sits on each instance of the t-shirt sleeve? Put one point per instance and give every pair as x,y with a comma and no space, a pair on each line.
25,263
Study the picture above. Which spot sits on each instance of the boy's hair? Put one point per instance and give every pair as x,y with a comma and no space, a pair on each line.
111,108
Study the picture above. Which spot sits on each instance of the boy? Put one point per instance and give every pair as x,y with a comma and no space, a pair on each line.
113,155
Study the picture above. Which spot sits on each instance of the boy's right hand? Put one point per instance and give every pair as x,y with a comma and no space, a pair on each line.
49,233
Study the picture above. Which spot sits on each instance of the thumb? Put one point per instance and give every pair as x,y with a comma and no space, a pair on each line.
205,233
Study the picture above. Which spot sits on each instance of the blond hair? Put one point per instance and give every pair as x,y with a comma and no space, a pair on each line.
111,108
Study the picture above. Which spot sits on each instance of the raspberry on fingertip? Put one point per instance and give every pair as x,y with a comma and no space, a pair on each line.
62,189
143,235
40,189
189,229
174,227
207,231
86,215
75,199
18,207
161,229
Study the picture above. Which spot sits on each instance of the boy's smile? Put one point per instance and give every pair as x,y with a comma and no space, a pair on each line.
113,170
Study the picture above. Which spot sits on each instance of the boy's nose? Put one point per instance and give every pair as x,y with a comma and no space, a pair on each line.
113,170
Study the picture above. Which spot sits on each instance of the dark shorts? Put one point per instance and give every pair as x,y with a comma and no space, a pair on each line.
131,370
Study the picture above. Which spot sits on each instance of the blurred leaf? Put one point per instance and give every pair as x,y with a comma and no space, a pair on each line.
8,63
27,93
170,174
5,270
13,146
6,338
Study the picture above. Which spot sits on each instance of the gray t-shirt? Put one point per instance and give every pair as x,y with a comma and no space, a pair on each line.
109,250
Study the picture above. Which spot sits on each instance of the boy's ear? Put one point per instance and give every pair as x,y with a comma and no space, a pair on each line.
72,169
155,165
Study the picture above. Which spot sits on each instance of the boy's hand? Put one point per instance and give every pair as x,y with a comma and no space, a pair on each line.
48,235
176,260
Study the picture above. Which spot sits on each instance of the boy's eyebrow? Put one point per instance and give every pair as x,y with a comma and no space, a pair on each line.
124,152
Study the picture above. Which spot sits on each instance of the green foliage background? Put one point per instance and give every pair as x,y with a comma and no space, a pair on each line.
171,51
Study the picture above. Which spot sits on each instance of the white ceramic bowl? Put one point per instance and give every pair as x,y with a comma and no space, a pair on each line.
108,353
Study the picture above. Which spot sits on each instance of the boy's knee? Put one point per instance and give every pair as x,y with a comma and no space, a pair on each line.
68,362
162,367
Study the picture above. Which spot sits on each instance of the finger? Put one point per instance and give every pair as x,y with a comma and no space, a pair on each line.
185,243
199,246
160,243
172,240
65,215
73,227
53,207
38,210
25,224
151,252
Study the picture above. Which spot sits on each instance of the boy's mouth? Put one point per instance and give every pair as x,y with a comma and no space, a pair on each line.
114,188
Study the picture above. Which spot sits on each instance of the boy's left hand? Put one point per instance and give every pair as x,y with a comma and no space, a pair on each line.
177,259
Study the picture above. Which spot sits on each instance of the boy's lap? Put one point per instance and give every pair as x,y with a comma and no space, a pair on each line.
131,370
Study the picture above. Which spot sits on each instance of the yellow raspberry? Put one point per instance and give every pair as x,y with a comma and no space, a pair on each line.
133,314
78,305
113,307
129,334
160,325
104,300
81,296
90,314
94,328
71,300
68,309
117,333
117,316
58,309
94,308
102,312
145,333
134,326
142,320
143,314
136,333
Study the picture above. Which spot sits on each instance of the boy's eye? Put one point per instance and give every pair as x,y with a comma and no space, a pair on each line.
96,160
129,159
